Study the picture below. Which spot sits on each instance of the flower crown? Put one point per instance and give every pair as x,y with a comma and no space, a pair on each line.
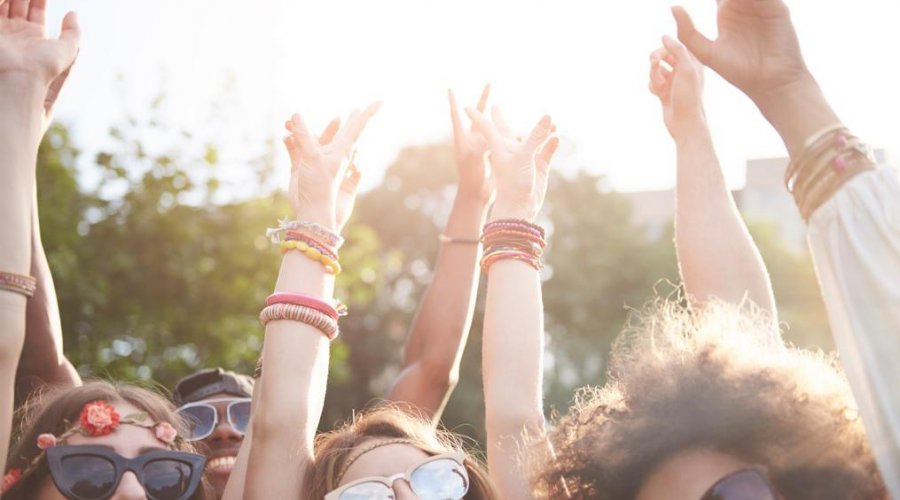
98,418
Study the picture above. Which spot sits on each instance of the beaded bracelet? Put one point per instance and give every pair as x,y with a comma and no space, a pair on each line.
313,243
306,315
331,266
17,283
299,299
512,239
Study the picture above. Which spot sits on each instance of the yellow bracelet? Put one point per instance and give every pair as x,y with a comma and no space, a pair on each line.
331,266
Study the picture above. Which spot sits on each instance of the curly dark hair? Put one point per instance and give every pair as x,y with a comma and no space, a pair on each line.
719,379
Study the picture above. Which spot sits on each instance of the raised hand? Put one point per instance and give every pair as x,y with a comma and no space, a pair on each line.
679,86
475,179
520,166
323,180
349,186
757,49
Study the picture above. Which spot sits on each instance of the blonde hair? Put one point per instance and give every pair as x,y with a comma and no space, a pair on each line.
719,378
386,422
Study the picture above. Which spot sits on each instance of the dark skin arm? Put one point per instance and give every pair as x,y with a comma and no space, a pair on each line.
439,331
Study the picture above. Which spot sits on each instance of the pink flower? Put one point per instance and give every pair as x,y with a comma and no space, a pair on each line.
165,432
12,477
45,441
99,418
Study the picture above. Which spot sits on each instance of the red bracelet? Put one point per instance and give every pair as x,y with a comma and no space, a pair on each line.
298,299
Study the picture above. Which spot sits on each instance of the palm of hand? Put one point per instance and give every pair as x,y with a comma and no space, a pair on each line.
25,48
757,49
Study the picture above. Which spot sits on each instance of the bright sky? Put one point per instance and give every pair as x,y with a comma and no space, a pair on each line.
585,63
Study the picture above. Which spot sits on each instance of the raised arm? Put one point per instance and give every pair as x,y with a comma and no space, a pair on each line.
852,209
438,334
295,353
716,255
514,311
43,362
29,62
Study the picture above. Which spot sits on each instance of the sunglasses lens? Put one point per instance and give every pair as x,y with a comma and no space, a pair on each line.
367,491
239,413
742,485
167,479
443,479
88,476
201,420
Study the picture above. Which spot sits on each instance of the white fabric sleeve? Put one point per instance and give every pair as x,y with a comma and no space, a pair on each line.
855,243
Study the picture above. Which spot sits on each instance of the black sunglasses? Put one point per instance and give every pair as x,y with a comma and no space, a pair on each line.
94,472
202,417
745,484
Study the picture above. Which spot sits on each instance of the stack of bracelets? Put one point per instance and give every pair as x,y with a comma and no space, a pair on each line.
310,239
513,239
11,282
828,160
304,309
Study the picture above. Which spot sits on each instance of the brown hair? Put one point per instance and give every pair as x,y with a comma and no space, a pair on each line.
53,411
334,448
717,379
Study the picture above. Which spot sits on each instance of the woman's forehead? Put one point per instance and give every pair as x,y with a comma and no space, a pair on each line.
126,440
384,461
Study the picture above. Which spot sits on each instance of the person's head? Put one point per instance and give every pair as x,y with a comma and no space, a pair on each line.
374,451
102,440
215,403
696,398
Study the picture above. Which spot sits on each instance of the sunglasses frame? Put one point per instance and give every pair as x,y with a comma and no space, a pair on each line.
121,465
458,457
208,403
708,495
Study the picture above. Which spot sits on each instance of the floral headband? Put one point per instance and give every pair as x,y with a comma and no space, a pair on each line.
98,418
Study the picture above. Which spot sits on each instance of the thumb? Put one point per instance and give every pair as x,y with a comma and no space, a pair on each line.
71,32
695,41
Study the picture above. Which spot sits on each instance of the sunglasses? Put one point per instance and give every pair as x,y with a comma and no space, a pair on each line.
94,472
202,417
746,484
442,477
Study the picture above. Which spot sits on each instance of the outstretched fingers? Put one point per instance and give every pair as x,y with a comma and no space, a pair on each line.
71,32
545,156
330,131
484,126
540,133
454,118
302,137
355,125
37,11
18,9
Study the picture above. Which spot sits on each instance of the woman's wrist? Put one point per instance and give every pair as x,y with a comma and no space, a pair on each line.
797,111
504,210
690,128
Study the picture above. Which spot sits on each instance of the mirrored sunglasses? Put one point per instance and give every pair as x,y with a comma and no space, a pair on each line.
202,417
442,477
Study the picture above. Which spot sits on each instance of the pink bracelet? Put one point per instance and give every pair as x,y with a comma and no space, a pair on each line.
301,314
299,299
12,282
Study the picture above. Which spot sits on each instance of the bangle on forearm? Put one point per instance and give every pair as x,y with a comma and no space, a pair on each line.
828,160
301,314
332,266
443,238
17,283
315,230
299,299
512,239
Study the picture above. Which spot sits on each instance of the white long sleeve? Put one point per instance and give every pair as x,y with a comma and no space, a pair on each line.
855,242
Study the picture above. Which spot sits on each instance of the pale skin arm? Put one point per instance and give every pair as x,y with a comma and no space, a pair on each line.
288,402
438,334
29,62
716,254
512,361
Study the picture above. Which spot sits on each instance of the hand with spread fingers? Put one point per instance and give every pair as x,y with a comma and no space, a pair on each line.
29,55
757,48
349,187
324,178
520,167
676,78
475,179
